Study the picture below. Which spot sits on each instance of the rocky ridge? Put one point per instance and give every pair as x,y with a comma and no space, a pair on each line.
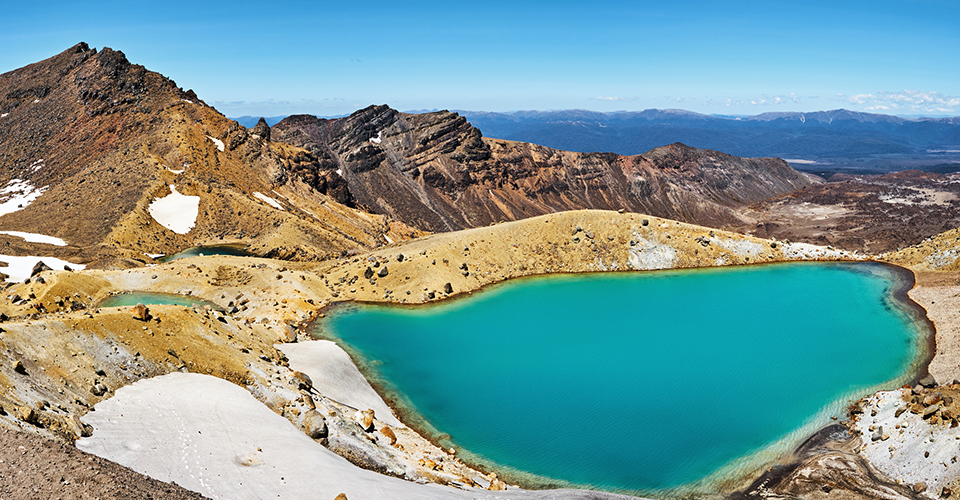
436,172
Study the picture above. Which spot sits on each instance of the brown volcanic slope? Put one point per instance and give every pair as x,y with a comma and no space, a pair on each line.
436,172
104,137
874,213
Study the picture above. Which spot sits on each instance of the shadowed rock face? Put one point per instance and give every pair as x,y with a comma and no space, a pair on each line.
435,171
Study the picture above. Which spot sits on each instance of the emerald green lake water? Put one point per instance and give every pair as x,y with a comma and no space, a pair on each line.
149,298
653,383
234,250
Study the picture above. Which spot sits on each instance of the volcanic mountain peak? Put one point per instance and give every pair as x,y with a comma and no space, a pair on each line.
101,139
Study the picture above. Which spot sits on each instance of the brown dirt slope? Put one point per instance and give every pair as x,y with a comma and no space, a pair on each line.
435,171
872,213
103,137
33,467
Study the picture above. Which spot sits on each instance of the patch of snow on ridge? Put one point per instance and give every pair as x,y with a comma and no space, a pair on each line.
378,139
175,211
268,200
4,115
19,268
37,165
647,255
217,142
37,238
18,194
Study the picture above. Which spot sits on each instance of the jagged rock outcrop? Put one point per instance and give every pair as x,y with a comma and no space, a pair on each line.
261,130
436,171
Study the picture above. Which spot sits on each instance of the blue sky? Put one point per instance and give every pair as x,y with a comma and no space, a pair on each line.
331,58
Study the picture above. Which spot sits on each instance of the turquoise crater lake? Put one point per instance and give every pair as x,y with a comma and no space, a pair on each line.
666,382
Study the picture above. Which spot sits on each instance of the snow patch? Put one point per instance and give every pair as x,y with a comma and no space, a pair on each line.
37,165
646,255
378,139
18,194
19,268
216,141
4,115
340,172
211,436
154,255
37,238
268,200
800,162
389,241
175,211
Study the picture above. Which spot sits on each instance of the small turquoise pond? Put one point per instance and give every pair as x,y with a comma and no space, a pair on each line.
149,298
657,383
207,250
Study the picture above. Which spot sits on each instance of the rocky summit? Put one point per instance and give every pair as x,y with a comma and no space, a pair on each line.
89,141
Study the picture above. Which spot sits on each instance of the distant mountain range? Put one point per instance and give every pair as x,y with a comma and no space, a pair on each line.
841,138
824,141
251,121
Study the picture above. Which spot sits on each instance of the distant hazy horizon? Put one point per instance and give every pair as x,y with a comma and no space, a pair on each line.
255,117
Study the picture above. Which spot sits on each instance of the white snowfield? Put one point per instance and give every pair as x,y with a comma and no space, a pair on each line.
175,211
17,195
37,238
216,141
213,437
268,200
18,268
336,377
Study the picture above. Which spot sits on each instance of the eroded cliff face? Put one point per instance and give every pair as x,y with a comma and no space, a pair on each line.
435,171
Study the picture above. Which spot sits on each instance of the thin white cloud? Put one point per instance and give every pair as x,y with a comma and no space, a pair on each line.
612,98
914,100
